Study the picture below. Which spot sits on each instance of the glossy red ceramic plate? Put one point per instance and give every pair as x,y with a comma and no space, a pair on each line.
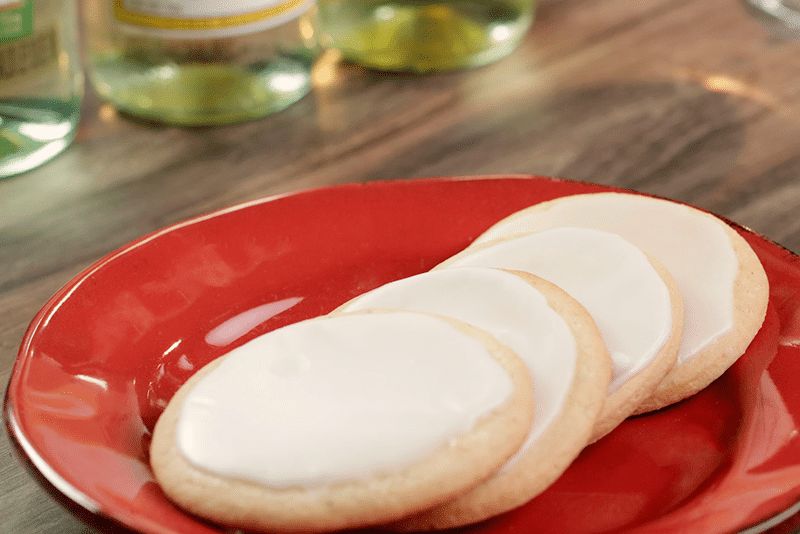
105,354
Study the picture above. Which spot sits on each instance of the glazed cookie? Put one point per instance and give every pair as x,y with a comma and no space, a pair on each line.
724,287
342,422
632,299
557,340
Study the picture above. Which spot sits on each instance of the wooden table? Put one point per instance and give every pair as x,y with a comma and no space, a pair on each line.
696,100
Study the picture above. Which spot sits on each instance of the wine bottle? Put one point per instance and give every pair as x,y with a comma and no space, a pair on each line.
424,35
201,62
41,82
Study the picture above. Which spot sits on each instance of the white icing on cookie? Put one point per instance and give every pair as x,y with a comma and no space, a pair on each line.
610,277
693,246
339,398
505,306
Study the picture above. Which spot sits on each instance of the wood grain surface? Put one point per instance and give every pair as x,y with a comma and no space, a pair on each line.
696,100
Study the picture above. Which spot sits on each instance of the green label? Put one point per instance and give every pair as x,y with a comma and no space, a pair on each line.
16,19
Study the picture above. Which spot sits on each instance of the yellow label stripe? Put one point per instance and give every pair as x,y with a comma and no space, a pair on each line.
151,21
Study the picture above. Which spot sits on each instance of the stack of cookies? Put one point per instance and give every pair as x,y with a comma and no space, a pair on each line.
455,395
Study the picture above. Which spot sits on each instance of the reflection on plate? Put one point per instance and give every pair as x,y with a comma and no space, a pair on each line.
104,355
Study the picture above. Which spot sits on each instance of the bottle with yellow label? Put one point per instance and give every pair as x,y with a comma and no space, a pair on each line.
424,35
41,82
200,62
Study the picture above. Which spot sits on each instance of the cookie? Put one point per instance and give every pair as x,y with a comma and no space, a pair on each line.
560,344
724,287
633,301
342,422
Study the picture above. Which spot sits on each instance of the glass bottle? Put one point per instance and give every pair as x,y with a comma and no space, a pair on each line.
785,12
424,35
200,62
41,82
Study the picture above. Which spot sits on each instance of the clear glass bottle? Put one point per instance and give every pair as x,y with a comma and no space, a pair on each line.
784,12
200,62
424,35
41,82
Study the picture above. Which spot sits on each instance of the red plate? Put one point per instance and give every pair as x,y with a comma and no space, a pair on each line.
103,356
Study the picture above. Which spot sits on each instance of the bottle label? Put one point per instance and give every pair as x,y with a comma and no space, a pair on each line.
16,19
30,50
206,18
25,57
